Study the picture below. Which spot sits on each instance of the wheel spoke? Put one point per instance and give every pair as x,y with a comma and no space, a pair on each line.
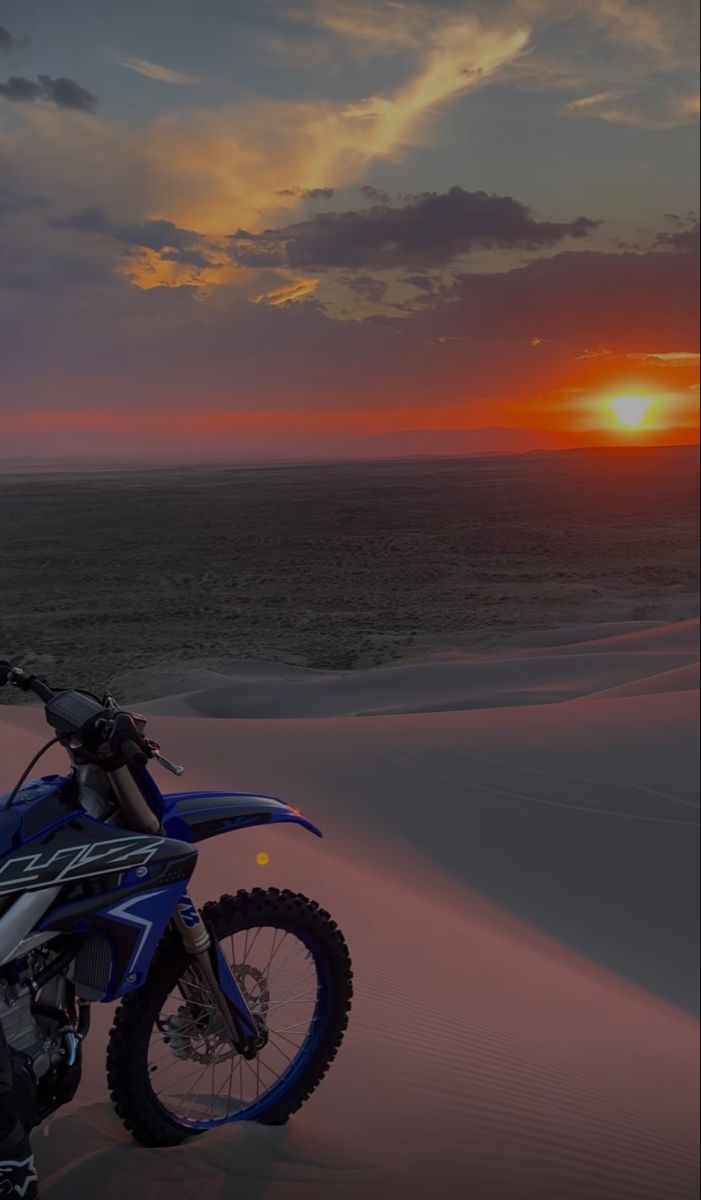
301,999
274,968
274,950
273,1033
301,953
286,1028
285,1056
266,969
195,1085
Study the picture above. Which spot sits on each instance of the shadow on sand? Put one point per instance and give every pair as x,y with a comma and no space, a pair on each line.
88,1153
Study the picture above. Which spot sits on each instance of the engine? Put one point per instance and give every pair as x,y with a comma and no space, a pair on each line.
22,1030
17,1020
44,1049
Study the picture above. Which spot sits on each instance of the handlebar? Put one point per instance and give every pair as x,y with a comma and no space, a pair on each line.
26,683
98,732
94,730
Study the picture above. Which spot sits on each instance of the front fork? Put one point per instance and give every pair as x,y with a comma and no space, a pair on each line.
244,1033
216,973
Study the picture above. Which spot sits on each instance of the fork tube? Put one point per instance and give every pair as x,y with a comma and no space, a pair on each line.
230,1004
191,927
137,813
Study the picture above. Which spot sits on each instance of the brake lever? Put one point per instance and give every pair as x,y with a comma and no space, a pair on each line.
169,766
155,752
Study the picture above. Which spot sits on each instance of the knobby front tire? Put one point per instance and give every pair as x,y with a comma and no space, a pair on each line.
169,1028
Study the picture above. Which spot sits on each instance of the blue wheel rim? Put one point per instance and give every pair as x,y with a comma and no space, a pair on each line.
290,1077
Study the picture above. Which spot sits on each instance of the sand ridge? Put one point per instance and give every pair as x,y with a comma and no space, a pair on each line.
631,658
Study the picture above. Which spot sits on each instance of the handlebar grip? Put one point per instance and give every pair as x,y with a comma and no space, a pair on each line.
26,683
132,753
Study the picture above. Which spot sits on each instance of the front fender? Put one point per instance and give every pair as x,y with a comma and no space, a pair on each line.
194,816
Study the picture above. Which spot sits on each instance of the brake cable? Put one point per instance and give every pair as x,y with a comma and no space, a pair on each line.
25,773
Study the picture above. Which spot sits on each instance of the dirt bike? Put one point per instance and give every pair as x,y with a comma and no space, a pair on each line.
231,1013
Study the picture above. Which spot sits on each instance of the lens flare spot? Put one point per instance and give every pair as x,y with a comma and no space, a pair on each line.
262,858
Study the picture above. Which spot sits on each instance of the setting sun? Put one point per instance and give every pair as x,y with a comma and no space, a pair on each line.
631,411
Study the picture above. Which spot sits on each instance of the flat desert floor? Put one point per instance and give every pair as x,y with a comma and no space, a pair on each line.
510,811
339,566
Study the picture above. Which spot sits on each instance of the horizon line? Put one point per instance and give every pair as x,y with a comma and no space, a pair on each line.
84,465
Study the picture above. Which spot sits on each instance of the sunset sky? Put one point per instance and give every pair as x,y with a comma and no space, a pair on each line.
309,228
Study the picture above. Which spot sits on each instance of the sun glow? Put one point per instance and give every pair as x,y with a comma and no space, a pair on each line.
631,411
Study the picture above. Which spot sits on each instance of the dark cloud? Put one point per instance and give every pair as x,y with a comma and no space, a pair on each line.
319,193
425,283
324,193
686,240
376,195
62,271
20,90
62,92
432,288
40,276
367,287
66,93
430,229
628,302
174,244
189,258
9,43
12,202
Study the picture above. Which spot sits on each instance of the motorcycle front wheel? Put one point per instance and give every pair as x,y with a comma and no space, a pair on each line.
171,1070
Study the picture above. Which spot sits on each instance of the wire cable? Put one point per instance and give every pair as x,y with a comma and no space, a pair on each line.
25,773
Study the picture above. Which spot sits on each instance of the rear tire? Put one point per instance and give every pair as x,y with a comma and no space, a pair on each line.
128,1072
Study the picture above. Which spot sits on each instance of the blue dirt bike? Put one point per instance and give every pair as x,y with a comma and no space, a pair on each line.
228,1014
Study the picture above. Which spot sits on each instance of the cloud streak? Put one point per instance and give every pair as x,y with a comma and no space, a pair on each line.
663,106
627,62
159,73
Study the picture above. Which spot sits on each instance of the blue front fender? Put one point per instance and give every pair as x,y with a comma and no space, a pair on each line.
194,816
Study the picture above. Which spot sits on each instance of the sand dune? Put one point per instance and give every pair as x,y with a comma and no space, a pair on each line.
647,635
549,673
679,679
518,882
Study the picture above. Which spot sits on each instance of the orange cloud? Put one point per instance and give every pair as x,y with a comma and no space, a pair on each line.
225,168
216,169
297,289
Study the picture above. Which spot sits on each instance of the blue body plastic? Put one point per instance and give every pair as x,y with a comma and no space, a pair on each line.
45,840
